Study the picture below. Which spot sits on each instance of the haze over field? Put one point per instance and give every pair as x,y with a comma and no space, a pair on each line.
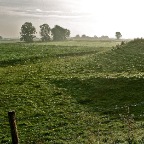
90,17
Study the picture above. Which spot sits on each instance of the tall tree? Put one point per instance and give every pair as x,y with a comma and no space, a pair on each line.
118,35
27,32
1,37
45,32
60,33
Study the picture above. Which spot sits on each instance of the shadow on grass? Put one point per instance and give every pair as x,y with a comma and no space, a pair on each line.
72,54
106,95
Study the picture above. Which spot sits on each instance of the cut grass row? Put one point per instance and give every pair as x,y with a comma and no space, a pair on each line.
64,97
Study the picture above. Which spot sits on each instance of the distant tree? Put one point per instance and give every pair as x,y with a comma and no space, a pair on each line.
77,36
45,32
95,37
118,35
104,37
83,36
1,37
27,32
60,33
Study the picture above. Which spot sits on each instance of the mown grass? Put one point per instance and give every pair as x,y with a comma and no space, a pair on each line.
72,92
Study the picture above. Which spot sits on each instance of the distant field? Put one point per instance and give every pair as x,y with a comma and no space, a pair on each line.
73,91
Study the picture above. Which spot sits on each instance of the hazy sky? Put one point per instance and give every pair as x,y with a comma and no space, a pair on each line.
90,17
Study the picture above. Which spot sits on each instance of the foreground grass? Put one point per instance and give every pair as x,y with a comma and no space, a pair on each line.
72,92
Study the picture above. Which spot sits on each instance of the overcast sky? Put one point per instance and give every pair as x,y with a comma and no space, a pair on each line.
90,17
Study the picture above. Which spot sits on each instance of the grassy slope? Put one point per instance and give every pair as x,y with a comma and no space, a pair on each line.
62,91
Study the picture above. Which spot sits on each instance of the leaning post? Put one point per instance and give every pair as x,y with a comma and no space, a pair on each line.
13,127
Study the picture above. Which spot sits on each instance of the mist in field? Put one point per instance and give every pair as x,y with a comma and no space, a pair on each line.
99,17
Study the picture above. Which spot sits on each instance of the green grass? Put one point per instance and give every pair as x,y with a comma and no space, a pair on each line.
72,92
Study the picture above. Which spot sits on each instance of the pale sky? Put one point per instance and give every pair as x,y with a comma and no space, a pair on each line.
90,17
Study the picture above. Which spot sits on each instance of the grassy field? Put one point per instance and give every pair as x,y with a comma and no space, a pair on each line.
77,92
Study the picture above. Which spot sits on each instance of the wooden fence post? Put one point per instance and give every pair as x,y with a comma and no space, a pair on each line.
13,127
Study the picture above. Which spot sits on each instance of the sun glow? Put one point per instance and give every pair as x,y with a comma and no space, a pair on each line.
90,17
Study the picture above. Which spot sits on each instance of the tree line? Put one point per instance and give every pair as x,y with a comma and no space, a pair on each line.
57,33
118,35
